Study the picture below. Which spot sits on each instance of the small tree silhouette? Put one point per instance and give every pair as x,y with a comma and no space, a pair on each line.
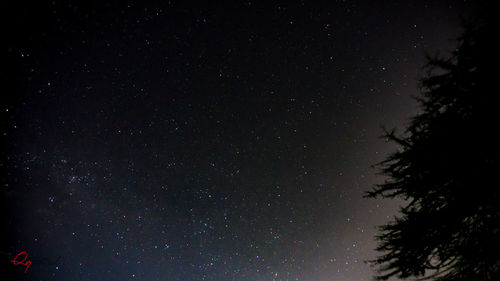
446,169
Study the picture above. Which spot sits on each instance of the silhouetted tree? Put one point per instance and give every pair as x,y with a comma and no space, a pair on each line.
446,169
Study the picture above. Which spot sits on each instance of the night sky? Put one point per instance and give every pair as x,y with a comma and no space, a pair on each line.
176,141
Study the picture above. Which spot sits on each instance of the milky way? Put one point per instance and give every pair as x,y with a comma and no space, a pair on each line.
170,141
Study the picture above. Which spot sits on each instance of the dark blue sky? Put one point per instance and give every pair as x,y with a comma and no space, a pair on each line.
175,141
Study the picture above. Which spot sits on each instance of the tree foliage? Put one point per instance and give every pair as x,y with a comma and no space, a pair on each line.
445,169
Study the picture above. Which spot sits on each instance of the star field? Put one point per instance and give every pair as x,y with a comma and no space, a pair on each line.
176,141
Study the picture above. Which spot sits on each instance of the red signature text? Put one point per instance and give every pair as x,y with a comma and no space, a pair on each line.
27,263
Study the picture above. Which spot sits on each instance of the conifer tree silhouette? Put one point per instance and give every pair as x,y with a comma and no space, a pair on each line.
446,169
